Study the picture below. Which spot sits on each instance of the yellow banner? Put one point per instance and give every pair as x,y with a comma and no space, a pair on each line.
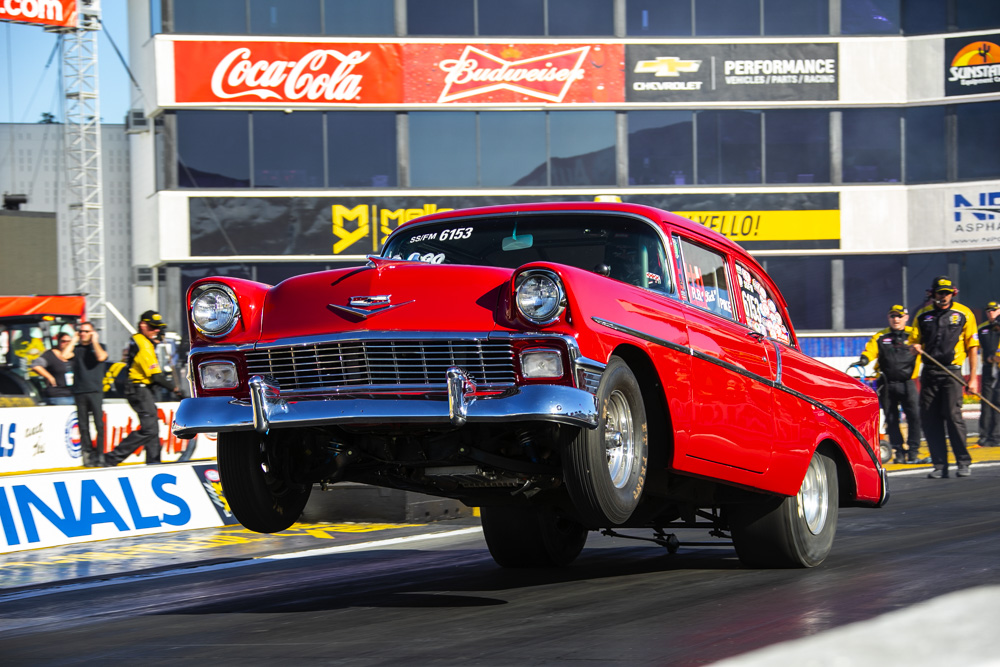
770,225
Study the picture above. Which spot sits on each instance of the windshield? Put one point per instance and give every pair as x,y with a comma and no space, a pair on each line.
619,247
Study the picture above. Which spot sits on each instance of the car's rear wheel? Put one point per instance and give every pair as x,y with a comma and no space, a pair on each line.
605,468
792,532
531,536
256,491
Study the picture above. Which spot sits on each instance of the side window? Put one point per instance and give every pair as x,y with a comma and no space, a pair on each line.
705,279
637,258
763,315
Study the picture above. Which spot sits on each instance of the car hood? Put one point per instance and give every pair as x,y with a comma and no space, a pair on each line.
390,296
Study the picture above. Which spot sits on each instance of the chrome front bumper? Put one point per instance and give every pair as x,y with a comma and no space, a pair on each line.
268,410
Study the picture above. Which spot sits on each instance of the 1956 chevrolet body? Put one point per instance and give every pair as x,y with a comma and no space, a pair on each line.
565,367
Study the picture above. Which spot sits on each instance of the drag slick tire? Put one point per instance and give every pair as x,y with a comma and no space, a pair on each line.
605,468
256,494
791,532
521,537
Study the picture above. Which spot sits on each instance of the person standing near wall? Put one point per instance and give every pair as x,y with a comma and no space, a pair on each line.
87,360
53,366
989,339
143,371
898,365
946,333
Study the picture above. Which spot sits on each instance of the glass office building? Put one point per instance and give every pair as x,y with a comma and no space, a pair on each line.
852,145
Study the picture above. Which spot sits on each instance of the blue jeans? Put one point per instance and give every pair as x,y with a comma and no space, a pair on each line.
60,400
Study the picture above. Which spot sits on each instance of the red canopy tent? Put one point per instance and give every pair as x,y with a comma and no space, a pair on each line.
38,307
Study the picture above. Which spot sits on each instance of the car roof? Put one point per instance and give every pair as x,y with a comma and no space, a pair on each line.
656,215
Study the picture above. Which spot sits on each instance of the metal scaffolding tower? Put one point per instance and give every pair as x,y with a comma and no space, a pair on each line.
83,158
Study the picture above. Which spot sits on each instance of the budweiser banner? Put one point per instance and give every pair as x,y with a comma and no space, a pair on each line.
352,227
242,71
731,72
43,12
972,65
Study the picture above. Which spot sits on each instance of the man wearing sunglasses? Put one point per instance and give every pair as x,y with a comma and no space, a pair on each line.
87,361
989,338
898,366
946,333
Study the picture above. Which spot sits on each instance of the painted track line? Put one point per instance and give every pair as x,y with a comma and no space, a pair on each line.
217,567
926,469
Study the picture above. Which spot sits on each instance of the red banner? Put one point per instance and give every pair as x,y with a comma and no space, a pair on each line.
44,12
514,73
267,72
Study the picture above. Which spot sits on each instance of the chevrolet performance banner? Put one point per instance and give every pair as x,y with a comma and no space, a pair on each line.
353,227
730,72
972,66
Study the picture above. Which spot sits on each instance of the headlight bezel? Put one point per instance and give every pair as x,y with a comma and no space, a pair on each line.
560,304
228,293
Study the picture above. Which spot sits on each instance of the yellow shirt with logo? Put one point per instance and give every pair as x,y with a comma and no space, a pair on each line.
968,338
144,364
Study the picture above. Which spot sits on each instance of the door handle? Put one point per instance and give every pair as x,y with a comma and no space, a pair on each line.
756,335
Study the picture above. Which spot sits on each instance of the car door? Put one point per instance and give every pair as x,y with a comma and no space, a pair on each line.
732,367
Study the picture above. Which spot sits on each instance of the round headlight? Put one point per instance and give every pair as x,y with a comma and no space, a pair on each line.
214,310
540,297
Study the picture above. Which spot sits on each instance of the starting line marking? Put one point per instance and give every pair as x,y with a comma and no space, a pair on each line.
924,469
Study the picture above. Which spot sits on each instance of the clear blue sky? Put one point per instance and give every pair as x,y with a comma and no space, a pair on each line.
28,88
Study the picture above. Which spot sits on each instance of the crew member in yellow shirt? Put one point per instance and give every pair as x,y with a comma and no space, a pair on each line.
946,332
143,371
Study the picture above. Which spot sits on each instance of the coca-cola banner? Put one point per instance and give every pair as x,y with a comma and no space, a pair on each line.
262,71
43,12
352,227
245,71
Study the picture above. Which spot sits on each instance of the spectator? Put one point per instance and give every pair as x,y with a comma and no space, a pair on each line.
989,337
53,365
87,360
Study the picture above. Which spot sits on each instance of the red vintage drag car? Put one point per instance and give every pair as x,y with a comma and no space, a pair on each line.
565,367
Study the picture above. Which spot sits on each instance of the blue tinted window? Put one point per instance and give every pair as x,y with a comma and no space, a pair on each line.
978,140
925,16
443,149
871,146
658,18
726,17
222,17
660,148
213,149
581,17
869,17
926,159
805,282
440,17
729,147
511,17
872,285
359,17
977,14
796,17
512,148
362,149
285,17
582,145
798,146
288,149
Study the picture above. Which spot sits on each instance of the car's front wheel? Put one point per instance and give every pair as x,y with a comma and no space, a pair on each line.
792,532
605,468
257,493
531,536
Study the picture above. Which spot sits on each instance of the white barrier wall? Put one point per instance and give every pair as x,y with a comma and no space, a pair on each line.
51,509
48,437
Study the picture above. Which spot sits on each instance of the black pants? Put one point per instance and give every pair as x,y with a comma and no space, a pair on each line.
141,399
90,405
940,411
989,420
895,396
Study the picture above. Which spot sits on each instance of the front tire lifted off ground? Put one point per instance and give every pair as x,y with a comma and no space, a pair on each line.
257,494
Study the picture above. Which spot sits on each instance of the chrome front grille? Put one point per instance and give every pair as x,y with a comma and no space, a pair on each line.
591,380
383,363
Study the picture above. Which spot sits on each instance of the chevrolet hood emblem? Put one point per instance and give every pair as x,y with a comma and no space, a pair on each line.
363,306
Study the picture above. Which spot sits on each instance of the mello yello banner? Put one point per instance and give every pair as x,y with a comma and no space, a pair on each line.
43,12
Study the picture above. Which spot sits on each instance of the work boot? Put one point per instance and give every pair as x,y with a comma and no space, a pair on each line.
899,458
939,472
964,470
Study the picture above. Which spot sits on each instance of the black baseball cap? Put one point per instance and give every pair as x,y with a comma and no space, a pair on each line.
943,284
153,319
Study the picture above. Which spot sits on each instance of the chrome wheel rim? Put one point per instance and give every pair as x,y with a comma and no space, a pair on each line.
814,497
619,440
